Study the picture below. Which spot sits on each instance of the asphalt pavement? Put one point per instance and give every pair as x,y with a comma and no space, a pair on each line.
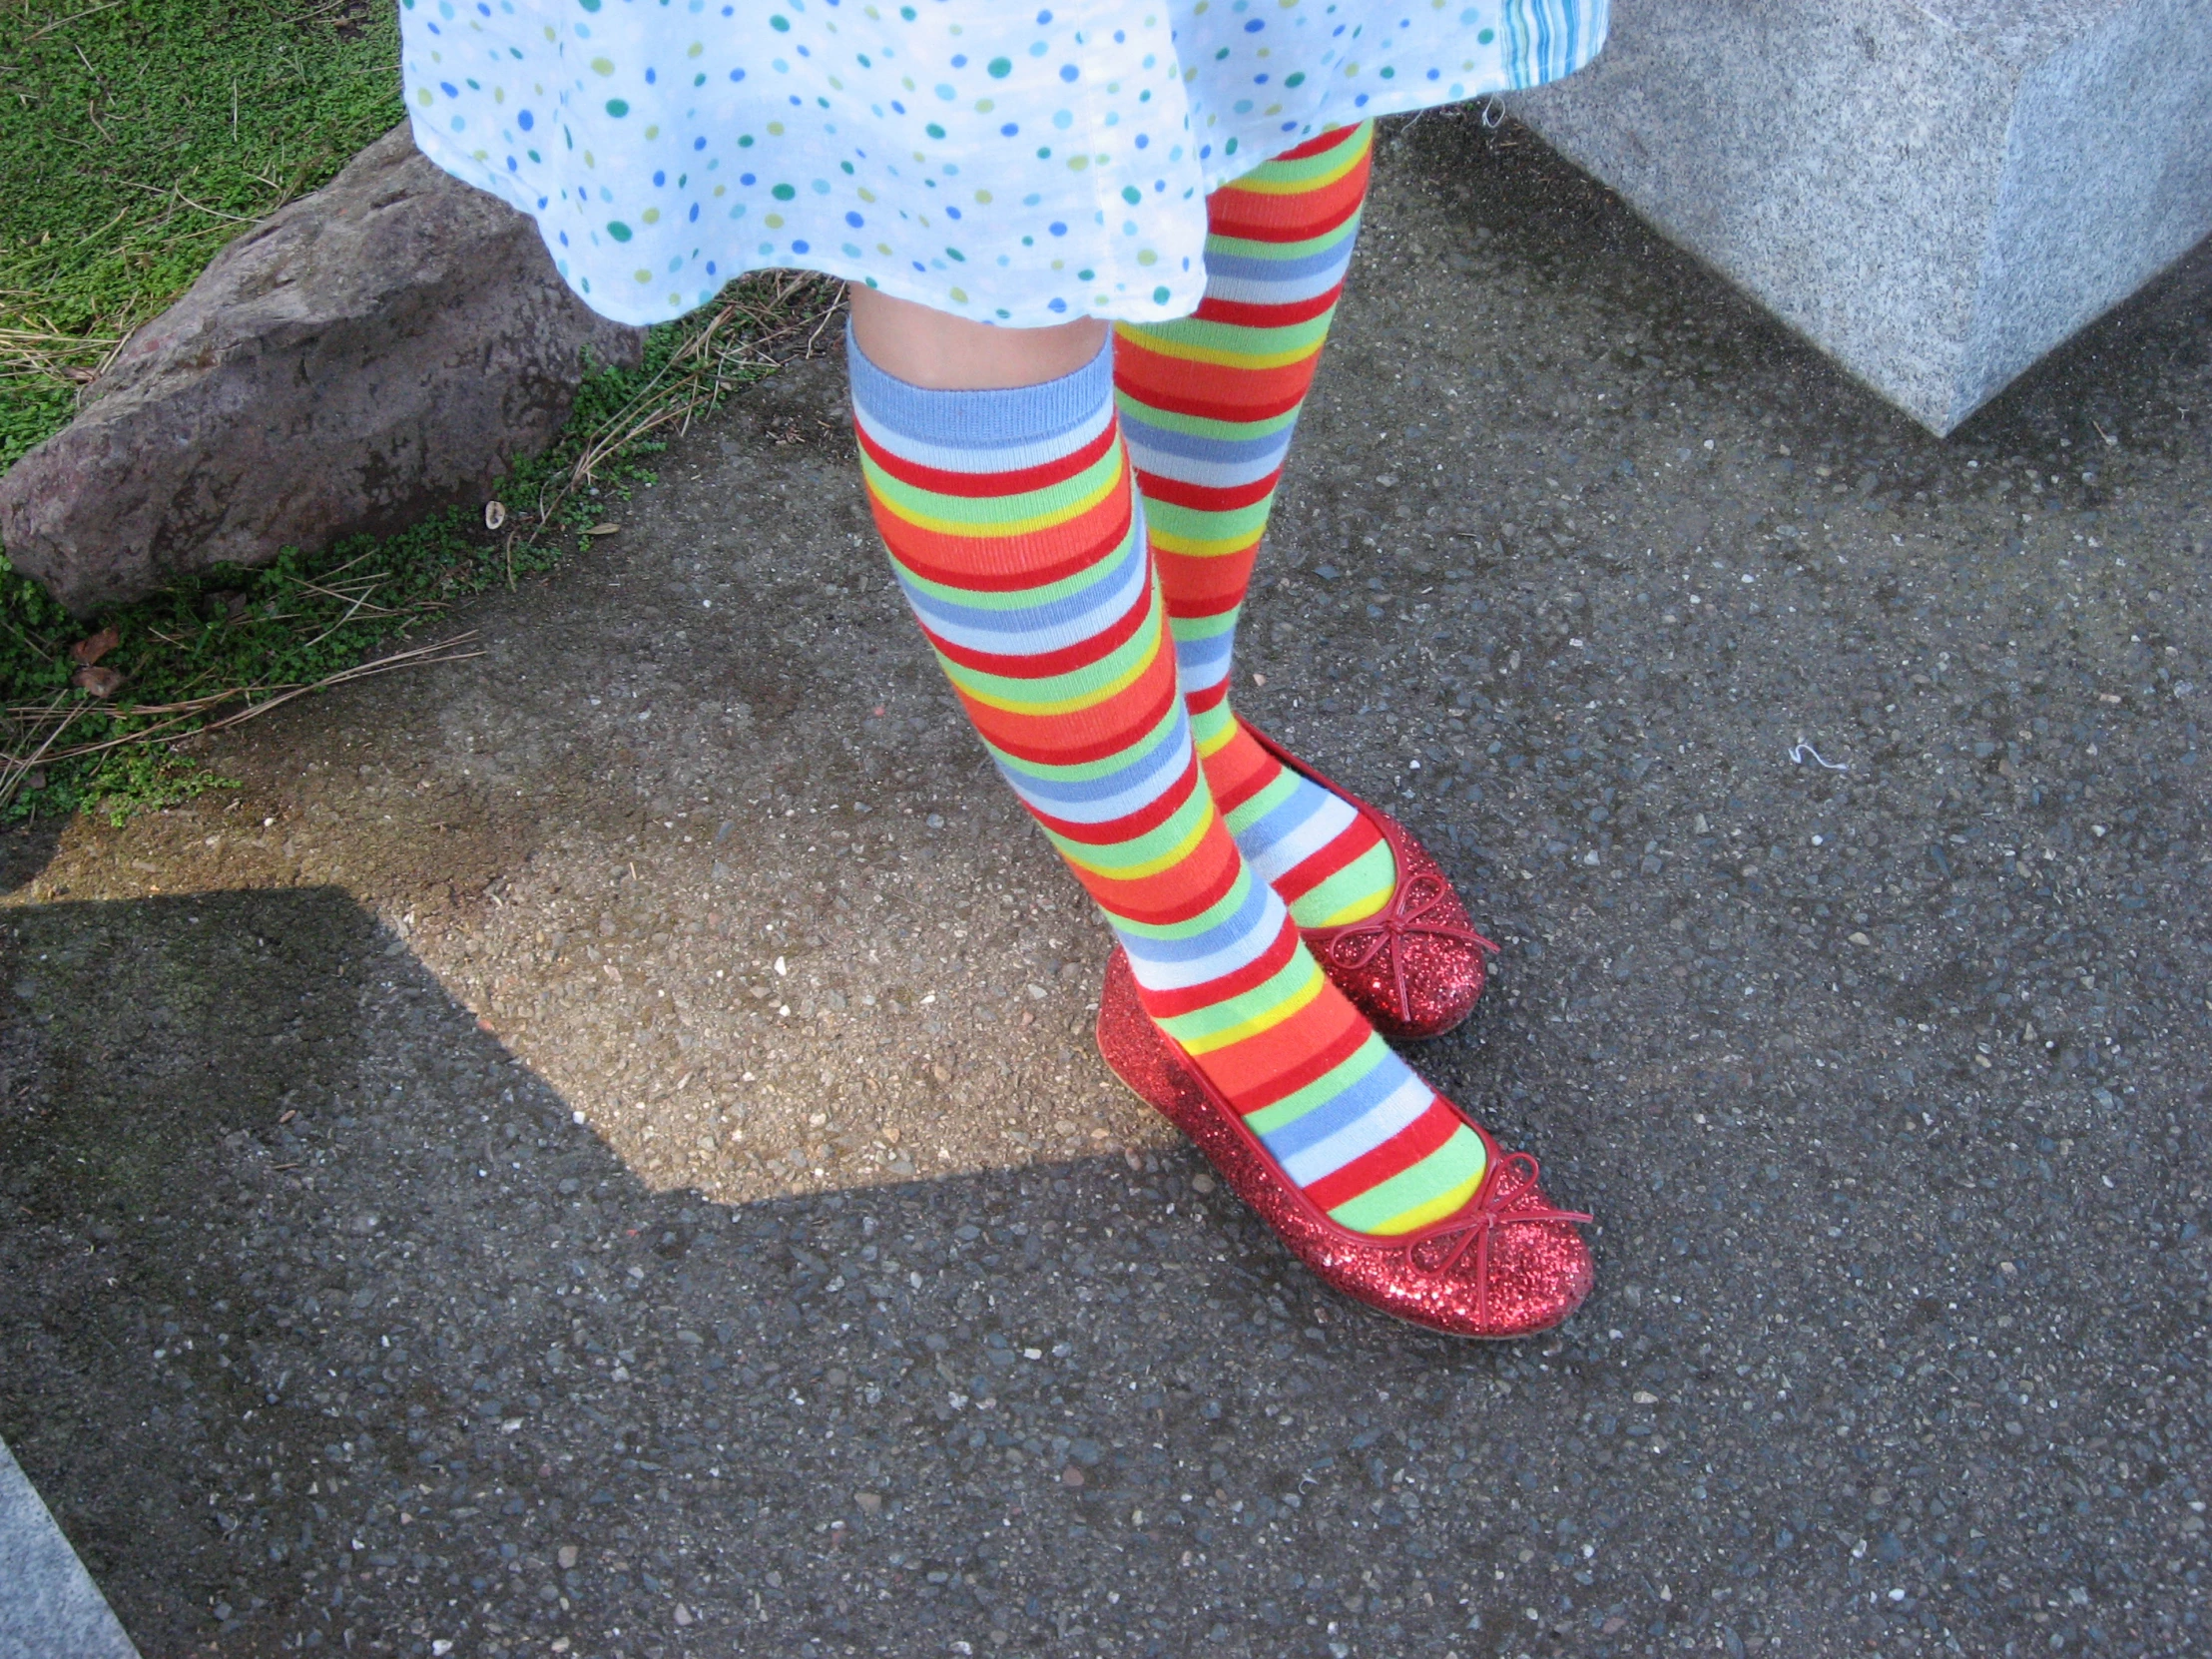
596,1149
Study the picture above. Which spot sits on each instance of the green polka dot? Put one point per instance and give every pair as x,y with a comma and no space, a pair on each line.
781,25
999,68
1160,296
1131,194
617,108
603,66
619,230
782,193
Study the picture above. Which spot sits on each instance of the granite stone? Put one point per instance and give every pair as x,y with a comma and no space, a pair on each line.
48,1604
1936,195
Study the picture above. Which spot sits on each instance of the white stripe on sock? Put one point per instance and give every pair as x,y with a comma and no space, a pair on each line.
1402,1106
1331,819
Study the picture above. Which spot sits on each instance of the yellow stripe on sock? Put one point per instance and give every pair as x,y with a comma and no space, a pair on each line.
1265,1021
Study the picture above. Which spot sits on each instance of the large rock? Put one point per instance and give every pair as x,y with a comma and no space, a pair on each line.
1935,193
376,350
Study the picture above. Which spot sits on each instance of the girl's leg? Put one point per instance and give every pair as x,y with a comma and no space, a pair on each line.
1209,404
1015,529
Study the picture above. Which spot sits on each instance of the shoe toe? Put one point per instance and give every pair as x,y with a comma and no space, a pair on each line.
1540,1271
1444,979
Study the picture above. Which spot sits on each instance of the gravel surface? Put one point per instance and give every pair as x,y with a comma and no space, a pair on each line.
597,1149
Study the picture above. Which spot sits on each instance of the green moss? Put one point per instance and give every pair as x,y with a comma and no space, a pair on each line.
135,140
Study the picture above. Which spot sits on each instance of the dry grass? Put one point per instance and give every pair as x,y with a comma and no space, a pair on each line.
231,646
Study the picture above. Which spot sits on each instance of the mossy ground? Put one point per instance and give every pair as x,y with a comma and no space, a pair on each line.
136,139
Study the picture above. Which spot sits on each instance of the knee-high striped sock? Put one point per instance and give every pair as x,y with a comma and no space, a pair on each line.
1208,405
1015,530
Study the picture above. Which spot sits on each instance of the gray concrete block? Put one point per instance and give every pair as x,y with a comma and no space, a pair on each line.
49,1607
1935,193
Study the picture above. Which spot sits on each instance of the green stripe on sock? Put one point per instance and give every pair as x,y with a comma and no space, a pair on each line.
1360,888
1322,1089
1272,992
1269,796
1459,1160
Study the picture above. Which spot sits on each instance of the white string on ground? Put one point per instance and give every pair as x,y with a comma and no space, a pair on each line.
1804,749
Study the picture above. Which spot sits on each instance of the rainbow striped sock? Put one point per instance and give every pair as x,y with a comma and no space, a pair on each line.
1016,532
1208,405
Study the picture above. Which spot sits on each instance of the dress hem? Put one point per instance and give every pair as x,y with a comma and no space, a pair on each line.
470,171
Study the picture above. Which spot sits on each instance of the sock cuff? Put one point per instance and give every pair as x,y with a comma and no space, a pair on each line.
981,419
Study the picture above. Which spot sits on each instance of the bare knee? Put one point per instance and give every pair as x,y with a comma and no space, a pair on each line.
926,348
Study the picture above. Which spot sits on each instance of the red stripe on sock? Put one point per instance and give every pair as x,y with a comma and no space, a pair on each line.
1208,391
1128,827
1246,313
1205,584
1207,498
1322,1035
976,485
1009,564
1040,665
1248,215
1239,770
1265,966
1057,741
1351,843
1335,137
1394,1157
1191,888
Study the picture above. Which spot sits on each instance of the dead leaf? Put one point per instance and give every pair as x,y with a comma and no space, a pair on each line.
99,682
93,647
601,529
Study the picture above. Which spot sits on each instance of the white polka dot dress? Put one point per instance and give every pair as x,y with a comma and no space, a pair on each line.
1019,165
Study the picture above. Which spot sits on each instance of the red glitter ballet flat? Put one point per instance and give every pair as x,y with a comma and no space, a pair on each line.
1415,966
1506,1265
